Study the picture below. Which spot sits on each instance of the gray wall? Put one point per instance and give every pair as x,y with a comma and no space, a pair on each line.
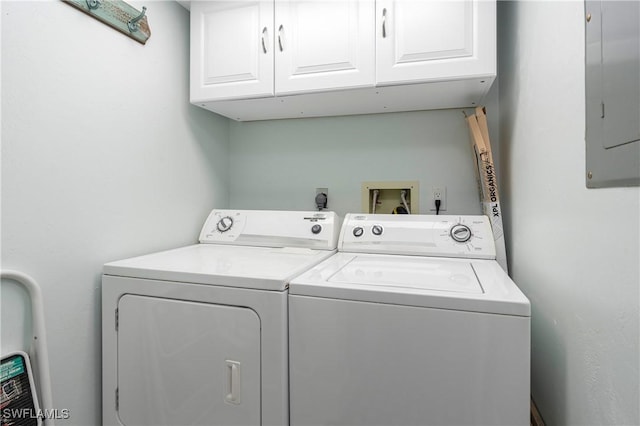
574,252
278,164
102,158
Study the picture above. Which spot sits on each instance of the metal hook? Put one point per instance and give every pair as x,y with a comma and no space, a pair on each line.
133,23
93,4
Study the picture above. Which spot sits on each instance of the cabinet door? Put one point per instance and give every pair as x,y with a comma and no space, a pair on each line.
231,49
324,45
423,40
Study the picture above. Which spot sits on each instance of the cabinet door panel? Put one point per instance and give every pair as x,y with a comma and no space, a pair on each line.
324,45
232,49
434,39
433,30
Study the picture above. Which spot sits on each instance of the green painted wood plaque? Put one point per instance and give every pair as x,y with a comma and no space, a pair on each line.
118,15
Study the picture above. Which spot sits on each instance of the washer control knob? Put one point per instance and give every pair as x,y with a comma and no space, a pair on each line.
224,224
358,231
315,229
460,233
377,229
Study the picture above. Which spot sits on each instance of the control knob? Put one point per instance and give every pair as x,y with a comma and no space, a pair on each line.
377,229
460,233
315,229
358,231
224,224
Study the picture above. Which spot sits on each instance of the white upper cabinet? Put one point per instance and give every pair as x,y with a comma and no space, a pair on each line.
266,59
430,40
316,45
231,49
324,45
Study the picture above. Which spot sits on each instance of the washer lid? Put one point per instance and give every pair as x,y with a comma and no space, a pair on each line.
444,283
264,268
409,273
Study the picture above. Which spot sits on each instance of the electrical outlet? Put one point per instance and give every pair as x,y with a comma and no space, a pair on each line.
324,191
438,193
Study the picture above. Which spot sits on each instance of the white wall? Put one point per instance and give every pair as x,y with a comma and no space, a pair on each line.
574,252
102,158
278,164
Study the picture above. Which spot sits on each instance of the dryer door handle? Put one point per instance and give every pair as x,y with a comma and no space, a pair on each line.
233,383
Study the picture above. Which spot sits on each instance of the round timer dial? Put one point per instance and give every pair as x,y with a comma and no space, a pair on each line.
225,224
460,233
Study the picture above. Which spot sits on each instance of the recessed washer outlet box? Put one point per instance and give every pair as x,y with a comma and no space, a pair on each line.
389,198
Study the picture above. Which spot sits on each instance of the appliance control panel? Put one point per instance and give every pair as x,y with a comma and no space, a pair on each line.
272,228
421,235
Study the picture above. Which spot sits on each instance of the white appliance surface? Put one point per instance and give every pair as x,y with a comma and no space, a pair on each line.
201,360
267,268
444,283
409,273
413,322
418,235
198,335
264,228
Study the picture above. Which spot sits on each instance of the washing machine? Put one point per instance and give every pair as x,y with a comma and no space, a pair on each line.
412,322
198,335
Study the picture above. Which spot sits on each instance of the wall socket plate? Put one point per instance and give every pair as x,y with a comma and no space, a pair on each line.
389,196
438,192
324,191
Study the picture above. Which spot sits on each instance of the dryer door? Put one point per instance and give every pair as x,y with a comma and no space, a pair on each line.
182,362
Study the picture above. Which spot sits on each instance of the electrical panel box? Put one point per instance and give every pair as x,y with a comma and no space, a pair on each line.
387,197
612,93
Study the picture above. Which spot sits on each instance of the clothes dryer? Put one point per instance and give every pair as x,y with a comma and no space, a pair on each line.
198,335
412,322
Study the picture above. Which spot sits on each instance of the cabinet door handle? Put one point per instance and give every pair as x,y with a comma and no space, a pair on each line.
384,23
280,37
264,35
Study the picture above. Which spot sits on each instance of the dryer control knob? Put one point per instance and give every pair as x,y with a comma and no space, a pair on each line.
358,231
224,224
460,233
377,229
315,229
